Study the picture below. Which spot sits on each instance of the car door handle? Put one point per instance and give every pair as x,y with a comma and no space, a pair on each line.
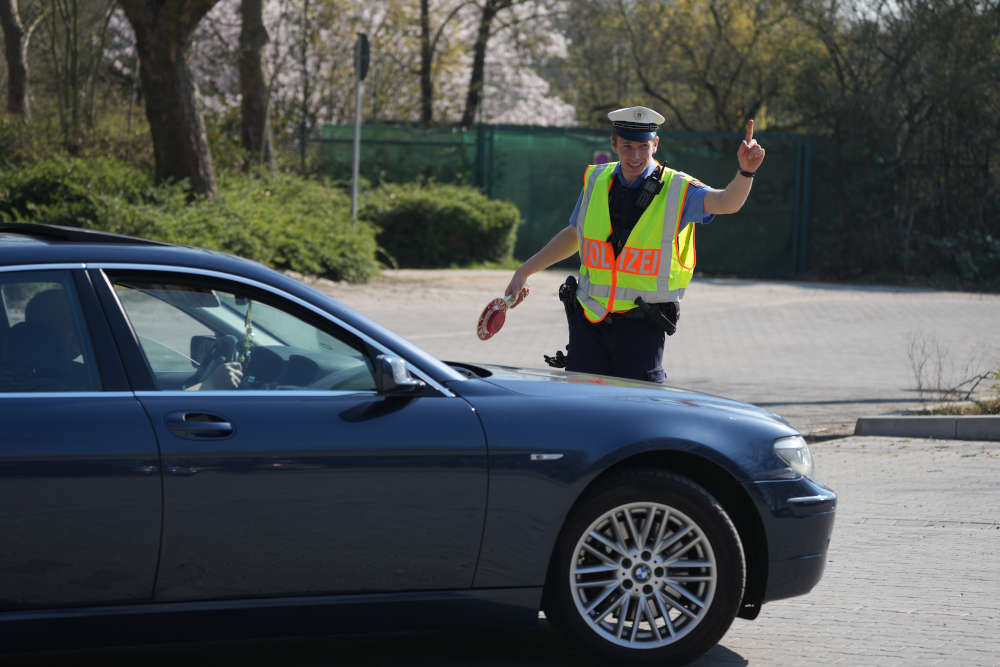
198,425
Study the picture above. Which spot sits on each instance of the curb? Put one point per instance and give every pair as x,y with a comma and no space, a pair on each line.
969,427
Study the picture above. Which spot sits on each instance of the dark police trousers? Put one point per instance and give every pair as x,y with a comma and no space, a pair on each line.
626,347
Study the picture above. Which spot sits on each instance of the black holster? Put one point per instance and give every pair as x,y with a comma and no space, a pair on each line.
661,315
567,294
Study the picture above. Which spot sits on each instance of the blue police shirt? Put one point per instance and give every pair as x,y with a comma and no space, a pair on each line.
694,203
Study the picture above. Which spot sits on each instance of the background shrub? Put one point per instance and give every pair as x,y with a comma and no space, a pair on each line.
284,221
441,225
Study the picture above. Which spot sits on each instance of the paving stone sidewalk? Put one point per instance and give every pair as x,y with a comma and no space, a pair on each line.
819,354
910,578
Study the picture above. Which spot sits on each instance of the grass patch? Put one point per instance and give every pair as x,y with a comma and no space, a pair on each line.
989,406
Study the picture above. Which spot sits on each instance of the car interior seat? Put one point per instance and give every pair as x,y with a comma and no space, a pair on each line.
40,351
5,375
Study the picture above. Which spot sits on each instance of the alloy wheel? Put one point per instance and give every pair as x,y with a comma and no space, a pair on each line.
643,575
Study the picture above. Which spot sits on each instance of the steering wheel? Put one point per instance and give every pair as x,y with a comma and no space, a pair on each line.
222,351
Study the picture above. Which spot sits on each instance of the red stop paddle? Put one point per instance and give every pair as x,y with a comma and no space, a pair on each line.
495,314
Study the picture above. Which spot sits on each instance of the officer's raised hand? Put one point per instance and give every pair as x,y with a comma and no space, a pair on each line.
750,154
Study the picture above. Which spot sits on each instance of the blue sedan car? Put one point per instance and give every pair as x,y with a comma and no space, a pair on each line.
194,444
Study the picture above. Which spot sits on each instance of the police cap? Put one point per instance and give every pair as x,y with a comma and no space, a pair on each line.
635,123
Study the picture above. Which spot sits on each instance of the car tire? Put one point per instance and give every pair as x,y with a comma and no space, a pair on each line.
658,547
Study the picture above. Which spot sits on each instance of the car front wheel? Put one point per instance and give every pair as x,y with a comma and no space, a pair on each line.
649,568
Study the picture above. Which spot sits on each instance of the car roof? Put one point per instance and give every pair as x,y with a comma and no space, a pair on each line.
34,243
40,233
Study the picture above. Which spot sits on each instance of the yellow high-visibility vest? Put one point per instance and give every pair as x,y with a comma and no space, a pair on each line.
658,259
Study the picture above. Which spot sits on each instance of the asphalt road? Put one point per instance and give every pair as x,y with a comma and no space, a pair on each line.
819,354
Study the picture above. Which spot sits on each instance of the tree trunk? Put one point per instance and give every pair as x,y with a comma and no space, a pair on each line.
305,78
163,31
476,80
253,87
426,62
15,48
94,63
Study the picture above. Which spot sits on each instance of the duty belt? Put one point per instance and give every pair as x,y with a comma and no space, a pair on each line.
631,314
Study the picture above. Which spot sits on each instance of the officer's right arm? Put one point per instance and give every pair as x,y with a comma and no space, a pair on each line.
561,246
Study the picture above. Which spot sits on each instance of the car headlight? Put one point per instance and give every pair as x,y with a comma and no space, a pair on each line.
794,451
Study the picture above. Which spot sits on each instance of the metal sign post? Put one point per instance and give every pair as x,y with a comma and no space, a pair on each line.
361,56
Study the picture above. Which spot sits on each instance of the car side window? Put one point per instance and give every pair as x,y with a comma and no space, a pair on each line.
224,336
44,342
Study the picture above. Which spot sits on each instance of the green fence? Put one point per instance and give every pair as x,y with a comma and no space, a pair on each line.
541,170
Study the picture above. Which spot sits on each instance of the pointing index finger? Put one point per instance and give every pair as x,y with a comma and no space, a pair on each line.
749,130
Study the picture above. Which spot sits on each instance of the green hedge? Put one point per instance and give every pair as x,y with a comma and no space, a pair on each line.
284,221
441,225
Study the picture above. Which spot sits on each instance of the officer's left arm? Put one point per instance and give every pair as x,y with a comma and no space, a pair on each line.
750,156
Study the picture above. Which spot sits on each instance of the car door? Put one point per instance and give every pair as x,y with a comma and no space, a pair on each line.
80,487
292,475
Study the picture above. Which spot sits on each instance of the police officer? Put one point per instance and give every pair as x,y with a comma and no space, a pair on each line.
632,227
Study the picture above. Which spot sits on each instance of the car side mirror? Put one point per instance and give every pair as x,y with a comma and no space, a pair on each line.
391,376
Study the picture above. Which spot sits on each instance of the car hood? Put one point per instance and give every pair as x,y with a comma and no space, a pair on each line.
566,385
